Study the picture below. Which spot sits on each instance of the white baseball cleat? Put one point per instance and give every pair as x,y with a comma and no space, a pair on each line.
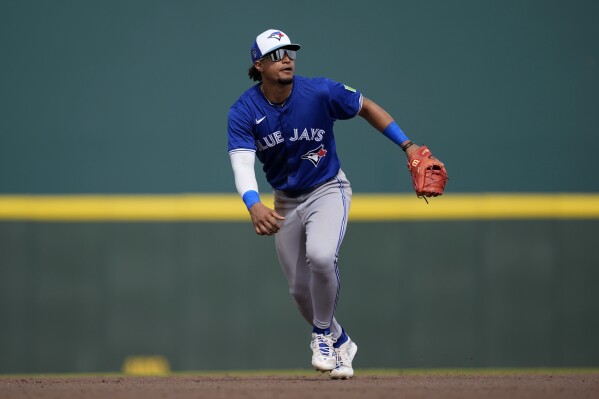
345,355
324,356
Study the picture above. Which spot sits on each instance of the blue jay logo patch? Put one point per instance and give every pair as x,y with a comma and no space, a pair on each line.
315,155
276,35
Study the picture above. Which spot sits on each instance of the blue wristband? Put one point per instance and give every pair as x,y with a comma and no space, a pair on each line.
250,197
394,133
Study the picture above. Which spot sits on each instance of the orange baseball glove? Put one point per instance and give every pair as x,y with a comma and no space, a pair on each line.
428,173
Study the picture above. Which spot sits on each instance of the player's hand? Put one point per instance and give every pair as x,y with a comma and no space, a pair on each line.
429,175
265,220
413,148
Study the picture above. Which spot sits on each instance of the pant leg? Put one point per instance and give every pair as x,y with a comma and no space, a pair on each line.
325,218
290,244
308,283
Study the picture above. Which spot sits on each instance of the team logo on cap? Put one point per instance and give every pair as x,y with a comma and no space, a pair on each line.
315,155
276,35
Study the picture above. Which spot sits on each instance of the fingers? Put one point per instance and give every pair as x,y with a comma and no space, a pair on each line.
268,223
266,229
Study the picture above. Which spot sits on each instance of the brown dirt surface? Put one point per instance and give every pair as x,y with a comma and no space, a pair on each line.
512,386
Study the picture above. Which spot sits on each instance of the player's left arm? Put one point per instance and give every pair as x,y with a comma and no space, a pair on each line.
380,119
428,173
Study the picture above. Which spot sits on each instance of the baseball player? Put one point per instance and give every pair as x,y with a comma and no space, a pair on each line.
286,121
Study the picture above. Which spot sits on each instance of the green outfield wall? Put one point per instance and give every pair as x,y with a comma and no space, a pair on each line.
85,296
131,96
121,233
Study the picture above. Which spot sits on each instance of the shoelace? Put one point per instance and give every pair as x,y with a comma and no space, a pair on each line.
325,344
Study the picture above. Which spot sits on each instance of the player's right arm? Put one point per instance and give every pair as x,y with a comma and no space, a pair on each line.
265,220
242,151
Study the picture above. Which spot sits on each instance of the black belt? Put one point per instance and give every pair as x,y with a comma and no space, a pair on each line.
297,193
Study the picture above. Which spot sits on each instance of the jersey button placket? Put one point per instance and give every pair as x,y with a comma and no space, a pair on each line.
287,131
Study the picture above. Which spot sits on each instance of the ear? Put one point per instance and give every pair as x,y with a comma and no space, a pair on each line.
258,66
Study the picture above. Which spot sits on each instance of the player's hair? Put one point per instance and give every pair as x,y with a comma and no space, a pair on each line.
254,74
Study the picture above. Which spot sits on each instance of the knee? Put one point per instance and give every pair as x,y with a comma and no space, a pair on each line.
322,261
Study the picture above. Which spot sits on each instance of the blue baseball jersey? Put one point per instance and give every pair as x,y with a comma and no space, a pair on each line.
295,141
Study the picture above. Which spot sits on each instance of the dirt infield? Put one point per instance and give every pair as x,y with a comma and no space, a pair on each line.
512,386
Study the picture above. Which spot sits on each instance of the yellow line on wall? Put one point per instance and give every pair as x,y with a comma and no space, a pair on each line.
229,207
208,207
477,207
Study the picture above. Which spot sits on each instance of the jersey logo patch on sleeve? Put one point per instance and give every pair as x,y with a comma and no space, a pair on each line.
349,88
315,155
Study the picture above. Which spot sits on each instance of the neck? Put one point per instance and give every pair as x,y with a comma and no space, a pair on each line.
276,94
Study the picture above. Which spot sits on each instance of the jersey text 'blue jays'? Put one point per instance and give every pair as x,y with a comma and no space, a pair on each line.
295,140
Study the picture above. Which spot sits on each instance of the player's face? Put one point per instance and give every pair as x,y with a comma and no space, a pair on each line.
280,71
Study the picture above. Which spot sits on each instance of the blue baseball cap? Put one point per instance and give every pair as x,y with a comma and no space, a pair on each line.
271,40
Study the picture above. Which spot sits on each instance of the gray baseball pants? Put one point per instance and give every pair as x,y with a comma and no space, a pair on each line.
308,248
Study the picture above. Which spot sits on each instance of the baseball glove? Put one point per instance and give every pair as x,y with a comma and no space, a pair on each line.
428,173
